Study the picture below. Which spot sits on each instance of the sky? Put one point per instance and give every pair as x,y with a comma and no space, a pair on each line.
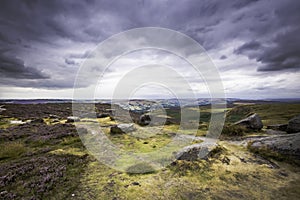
254,45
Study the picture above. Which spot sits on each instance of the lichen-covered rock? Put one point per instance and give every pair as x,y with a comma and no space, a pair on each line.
252,122
294,125
288,144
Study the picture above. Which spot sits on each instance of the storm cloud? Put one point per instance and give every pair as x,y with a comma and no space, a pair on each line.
43,43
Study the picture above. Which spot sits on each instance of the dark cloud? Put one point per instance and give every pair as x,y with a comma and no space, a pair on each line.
223,57
12,67
43,34
249,46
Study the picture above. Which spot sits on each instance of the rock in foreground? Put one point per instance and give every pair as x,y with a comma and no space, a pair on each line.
252,122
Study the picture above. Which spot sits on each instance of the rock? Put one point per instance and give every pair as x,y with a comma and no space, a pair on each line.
288,144
274,132
135,183
278,127
38,120
2,108
252,122
17,122
53,116
103,115
294,125
195,152
89,120
122,128
144,120
73,119
55,120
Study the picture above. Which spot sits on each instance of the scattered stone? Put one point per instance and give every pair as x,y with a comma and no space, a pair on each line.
1,108
103,115
278,127
17,122
53,116
288,144
252,122
37,120
135,183
144,120
73,119
122,128
294,125
89,120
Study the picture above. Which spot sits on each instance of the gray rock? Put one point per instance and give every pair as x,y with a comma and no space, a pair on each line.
278,127
103,115
144,120
122,128
294,125
288,144
195,152
73,119
17,122
252,122
51,116
36,121
274,132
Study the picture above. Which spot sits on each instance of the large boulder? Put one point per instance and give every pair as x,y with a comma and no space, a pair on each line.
122,128
288,144
252,122
294,125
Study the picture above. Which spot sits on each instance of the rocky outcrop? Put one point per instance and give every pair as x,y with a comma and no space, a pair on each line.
294,125
252,122
288,144
122,129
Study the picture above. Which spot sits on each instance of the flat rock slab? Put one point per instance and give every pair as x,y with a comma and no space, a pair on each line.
288,144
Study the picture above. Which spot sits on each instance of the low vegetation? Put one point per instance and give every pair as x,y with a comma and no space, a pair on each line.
48,161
